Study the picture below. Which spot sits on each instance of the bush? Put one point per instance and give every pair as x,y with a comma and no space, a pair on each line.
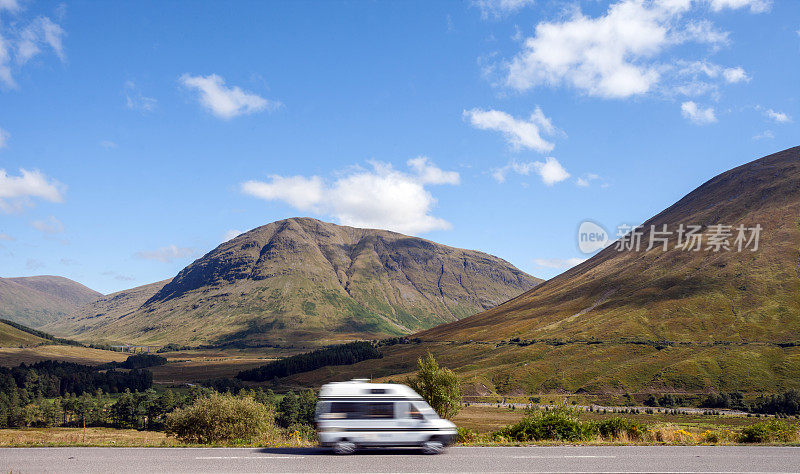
768,432
221,418
438,386
561,424
466,435
613,428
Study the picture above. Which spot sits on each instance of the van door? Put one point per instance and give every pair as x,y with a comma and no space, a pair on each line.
411,420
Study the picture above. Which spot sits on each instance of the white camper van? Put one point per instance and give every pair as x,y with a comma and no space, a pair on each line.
358,413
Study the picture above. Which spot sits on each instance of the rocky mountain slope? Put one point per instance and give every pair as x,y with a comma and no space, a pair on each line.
304,281
38,300
649,320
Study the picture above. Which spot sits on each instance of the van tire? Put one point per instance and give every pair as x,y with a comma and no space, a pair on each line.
432,447
344,447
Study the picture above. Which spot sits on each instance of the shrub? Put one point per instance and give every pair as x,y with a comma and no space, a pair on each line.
466,435
221,418
613,428
768,432
561,424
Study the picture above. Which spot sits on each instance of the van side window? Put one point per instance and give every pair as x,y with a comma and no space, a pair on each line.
413,412
344,410
379,410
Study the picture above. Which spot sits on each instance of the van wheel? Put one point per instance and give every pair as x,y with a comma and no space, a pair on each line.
344,447
432,447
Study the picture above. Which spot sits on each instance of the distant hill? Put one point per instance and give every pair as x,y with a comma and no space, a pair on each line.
650,320
304,281
38,300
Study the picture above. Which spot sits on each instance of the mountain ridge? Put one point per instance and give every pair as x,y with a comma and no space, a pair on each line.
302,279
38,300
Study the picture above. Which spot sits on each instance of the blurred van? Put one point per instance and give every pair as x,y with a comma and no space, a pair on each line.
358,414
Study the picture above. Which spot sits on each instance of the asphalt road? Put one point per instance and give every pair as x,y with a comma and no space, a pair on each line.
462,460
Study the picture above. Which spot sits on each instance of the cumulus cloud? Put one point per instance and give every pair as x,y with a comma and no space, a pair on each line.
4,136
51,225
755,6
550,170
165,254
779,117
500,8
615,55
26,40
16,192
519,133
226,102
697,114
381,197
558,263
231,234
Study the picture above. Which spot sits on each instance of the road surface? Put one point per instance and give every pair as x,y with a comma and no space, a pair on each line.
460,459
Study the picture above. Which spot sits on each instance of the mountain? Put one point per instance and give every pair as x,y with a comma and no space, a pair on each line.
38,300
304,281
648,320
677,295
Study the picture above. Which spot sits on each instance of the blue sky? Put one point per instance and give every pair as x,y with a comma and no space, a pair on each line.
137,136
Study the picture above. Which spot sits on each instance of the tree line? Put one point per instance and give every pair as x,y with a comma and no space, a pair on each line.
342,354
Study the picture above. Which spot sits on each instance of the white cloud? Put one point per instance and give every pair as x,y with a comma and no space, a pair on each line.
500,8
134,99
226,102
117,276
10,5
34,264
16,191
429,173
756,6
298,191
558,263
615,55
779,117
51,225
550,170
586,180
4,136
6,237
735,74
231,234
381,197
165,254
22,41
108,144
697,114
40,32
519,133
765,135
